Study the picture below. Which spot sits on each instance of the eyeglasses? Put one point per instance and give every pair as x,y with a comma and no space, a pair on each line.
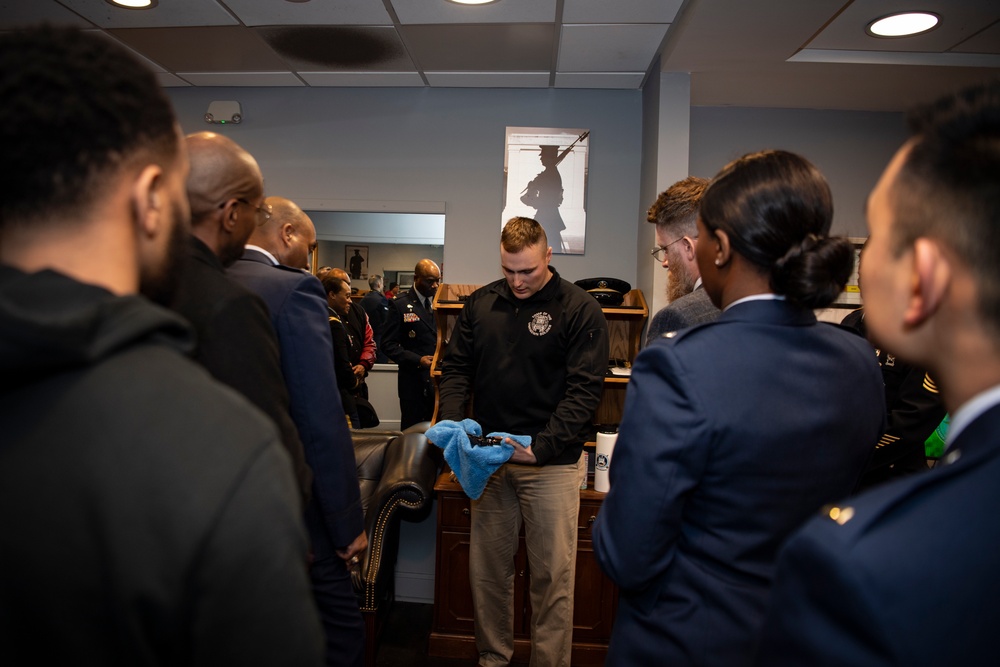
660,252
263,212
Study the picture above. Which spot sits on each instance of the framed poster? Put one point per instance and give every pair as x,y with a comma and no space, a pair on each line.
405,280
545,178
356,261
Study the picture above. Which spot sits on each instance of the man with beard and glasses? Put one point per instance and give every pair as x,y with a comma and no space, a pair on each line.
235,340
150,514
674,213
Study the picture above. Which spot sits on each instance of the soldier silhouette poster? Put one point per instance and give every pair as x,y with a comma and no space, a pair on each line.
545,178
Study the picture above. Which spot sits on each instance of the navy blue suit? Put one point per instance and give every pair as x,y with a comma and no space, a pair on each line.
734,433
334,518
910,578
410,334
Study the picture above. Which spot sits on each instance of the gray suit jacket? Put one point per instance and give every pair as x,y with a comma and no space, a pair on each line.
690,309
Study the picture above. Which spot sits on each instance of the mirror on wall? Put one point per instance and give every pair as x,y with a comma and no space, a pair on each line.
389,244
380,240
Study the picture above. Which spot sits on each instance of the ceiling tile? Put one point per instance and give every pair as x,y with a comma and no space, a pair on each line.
363,79
19,13
988,41
609,48
508,11
523,47
111,38
167,13
959,22
488,79
634,11
339,48
210,49
794,86
243,79
338,12
622,80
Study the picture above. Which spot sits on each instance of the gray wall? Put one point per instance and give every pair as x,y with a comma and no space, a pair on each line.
446,145
851,148
382,257
438,145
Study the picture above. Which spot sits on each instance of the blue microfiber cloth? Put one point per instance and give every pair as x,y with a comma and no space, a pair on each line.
472,465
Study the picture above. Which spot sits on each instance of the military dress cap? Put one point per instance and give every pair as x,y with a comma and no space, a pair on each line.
607,291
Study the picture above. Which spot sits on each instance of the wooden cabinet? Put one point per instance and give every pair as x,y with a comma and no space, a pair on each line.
595,596
625,324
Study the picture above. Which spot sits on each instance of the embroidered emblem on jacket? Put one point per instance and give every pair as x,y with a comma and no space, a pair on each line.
540,324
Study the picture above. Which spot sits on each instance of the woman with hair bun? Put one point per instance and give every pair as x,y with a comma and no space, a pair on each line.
736,432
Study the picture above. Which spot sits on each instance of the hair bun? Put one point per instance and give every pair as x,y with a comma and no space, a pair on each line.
812,274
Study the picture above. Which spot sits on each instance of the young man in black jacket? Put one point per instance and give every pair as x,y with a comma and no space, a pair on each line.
531,351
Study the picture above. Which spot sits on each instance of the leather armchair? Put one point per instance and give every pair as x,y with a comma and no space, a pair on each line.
396,472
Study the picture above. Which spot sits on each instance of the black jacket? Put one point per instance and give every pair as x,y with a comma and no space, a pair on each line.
237,344
533,367
913,408
376,306
347,381
149,513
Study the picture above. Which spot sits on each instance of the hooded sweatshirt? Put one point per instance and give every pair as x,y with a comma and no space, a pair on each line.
149,514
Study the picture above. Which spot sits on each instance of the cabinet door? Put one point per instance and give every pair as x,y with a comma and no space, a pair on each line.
453,600
595,597
453,610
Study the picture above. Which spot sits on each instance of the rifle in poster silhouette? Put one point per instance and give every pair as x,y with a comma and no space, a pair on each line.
544,192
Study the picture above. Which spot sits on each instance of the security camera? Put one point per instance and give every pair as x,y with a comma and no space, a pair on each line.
224,113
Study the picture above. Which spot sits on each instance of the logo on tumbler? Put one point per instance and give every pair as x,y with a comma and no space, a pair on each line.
602,462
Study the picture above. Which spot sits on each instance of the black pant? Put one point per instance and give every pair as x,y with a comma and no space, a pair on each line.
335,598
416,401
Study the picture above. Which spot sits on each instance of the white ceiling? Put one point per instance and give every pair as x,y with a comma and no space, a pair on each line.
765,53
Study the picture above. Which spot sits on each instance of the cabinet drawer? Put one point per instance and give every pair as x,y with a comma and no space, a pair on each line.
454,511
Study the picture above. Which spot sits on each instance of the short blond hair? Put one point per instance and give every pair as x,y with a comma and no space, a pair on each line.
520,232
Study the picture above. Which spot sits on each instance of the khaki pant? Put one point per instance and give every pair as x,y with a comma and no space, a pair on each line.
547,498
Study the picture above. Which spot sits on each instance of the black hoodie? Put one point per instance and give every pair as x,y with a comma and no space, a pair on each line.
149,514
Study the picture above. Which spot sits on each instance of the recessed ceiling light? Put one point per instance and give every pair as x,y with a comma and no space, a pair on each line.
472,2
133,4
903,24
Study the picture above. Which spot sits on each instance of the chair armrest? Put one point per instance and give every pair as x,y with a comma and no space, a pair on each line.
405,487
419,427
